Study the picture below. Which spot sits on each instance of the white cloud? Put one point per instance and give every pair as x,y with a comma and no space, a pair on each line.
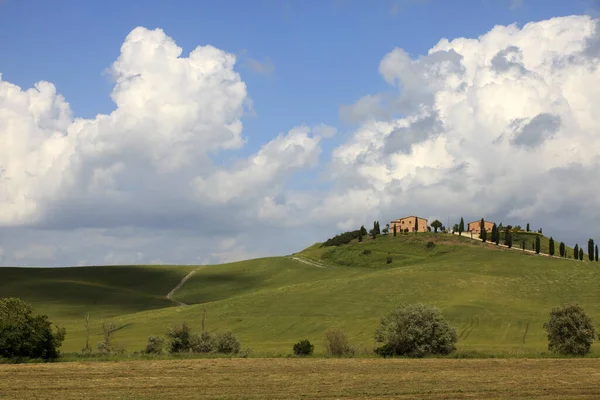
265,67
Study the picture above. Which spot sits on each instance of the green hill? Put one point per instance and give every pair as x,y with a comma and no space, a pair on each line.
497,298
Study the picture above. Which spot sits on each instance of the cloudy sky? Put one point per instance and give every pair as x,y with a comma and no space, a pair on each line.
206,132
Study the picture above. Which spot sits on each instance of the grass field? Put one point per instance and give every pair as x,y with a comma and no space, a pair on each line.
305,379
498,299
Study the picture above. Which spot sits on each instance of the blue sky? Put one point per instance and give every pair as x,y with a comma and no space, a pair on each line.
300,61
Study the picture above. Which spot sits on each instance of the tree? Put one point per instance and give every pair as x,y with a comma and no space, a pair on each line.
179,337
374,233
386,229
87,349
580,254
570,331
378,228
527,228
394,229
303,348
551,246
591,249
461,226
436,225
455,228
482,232
561,249
24,335
363,230
155,345
497,241
336,343
537,244
360,235
508,237
415,330
416,224
494,233
576,251
596,253
523,244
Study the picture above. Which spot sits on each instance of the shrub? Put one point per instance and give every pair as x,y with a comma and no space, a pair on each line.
415,331
430,245
388,260
366,251
227,343
336,343
25,335
179,337
303,348
570,331
203,342
155,345
342,238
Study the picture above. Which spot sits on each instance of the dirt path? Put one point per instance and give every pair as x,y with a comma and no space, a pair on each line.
310,262
179,285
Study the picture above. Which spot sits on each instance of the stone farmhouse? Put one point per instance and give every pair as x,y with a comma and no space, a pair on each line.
409,223
475,227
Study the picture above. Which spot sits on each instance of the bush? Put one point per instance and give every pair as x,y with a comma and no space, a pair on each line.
366,251
155,345
303,348
179,337
25,335
227,343
336,343
430,245
570,331
415,331
342,238
204,342
388,260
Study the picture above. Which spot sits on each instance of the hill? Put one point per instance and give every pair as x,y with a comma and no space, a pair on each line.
497,298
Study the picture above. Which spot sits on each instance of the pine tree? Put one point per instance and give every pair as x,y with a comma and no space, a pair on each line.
591,249
461,226
580,254
576,251
527,227
561,249
394,229
551,246
537,244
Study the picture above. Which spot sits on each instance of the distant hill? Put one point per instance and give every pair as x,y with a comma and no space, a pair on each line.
498,299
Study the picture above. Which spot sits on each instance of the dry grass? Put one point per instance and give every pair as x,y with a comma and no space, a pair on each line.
305,378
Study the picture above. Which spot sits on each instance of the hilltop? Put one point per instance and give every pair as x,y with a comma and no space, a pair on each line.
497,298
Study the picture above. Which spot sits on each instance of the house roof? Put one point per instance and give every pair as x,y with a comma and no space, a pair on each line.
479,221
410,216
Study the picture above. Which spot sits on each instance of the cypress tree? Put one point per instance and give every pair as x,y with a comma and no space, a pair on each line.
523,244
591,249
360,235
482,232
363,230
497,241
527,227
551,246
416,224
461,226
596,253
508,238
494,233
537,244
580,254
561,249
576,251
394,229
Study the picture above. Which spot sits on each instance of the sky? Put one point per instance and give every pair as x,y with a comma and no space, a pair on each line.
197,132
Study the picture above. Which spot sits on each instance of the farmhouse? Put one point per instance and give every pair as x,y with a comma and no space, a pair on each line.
475,226
409,223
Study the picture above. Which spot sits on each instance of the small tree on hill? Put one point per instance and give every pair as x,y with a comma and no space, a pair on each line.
436,225
537,244
360,235
551,246
395,230
415,330
527,228
482,232
576,251
386,230
416,224
497,241
374,233
591,249
561,249
523,245
461,226
508,238
363,230
580,254
570,331
596,253
494,233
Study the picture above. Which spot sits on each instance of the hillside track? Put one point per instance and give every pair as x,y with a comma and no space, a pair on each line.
308,261
179,285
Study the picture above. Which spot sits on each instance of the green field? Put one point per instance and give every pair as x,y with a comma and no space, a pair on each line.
497,299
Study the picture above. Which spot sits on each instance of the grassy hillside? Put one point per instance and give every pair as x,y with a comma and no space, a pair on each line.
498,299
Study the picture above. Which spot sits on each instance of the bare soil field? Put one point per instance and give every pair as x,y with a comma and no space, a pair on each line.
305,379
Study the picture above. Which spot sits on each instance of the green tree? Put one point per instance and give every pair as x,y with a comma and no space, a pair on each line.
561,249
596,253
482,232
537,244
180,338
24,335
570,331
416,224
576,251
363,230
395,230
591,249
580,254
494,233
360,235
551,246
508,238
527,228
461,226
415,330
497,241
436,225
